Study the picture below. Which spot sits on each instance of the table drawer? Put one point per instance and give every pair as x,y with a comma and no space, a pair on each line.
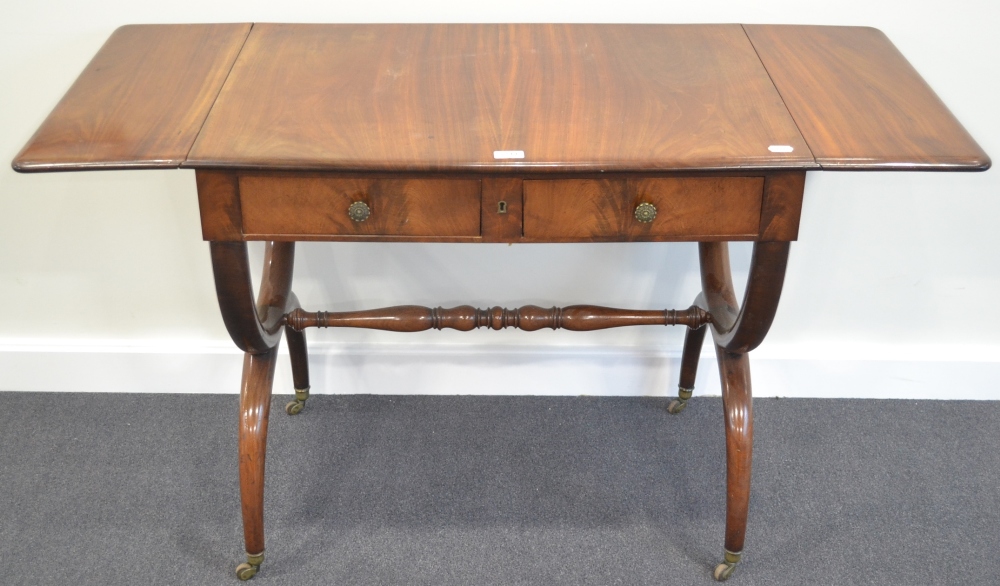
320,206
686,208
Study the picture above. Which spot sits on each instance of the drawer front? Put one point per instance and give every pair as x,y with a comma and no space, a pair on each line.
318,206
686,208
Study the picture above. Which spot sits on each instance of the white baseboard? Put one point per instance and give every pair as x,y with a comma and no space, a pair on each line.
83,366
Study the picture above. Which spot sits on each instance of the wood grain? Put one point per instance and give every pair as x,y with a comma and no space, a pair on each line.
690,356
741,327
219,205
357,97
255,407
274,300
693,208
781,207
738,329
317,205
737,408
255,327
298,355
427,98
639,97
502,227
576,208
140,102
859,103
445,97
688,208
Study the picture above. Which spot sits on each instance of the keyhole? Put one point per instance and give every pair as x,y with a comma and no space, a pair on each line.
501,207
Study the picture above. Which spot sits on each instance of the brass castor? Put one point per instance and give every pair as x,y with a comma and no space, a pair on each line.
724,570
245,571
678,404
248,570
295,407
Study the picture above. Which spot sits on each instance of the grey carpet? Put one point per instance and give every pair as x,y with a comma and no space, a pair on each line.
475,491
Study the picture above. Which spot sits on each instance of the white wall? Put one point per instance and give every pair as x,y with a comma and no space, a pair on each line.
105,283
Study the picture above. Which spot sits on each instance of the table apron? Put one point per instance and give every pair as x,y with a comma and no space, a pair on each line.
282,206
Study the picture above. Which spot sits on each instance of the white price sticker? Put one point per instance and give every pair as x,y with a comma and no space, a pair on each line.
508,154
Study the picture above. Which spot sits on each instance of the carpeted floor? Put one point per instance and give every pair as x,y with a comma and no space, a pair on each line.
477,491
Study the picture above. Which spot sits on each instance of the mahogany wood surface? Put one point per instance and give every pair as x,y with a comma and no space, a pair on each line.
585,98
737,329
688,208
140,102
255,406
298,354
219,204
429,208
741,327
859,103
698,208
781,206
737,408
638,97
502,225
356,97
576,208
445,97
291,205
254,327
530,318
690,355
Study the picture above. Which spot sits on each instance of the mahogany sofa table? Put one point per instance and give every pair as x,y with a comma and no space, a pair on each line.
499,133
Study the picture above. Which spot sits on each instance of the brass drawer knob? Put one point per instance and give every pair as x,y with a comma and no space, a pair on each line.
645,212
359,211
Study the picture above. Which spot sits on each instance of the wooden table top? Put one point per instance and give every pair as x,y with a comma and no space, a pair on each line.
460,97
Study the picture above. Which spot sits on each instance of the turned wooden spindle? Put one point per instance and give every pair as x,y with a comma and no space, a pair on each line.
415,318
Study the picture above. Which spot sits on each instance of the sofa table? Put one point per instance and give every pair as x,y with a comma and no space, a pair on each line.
499,133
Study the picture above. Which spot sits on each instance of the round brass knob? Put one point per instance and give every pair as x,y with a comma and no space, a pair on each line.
645,212
359,211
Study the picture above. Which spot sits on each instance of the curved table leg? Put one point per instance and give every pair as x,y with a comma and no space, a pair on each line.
256,329
737,329
255,404
737,405
693,340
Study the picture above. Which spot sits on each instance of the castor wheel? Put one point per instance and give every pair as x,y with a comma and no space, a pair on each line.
724,570
678,404
249,569
295,407
245,571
